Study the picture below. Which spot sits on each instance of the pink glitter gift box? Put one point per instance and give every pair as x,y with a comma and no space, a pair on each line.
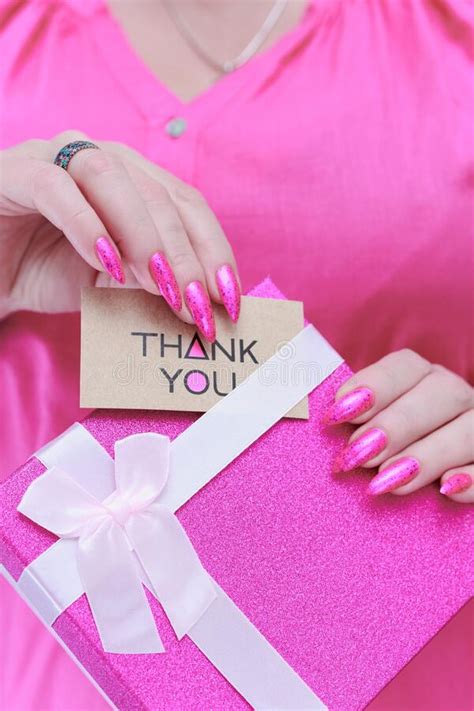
345,587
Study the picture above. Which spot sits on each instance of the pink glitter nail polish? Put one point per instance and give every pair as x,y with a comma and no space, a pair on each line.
197,301
165,279
361,450
349,406
396,474
456,483
109,259
229,290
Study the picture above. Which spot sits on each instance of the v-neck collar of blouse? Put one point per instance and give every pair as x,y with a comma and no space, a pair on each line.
154,99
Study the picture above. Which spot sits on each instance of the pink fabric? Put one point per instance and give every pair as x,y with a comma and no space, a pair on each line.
340,162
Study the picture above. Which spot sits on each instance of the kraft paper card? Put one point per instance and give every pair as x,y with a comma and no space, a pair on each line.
135,354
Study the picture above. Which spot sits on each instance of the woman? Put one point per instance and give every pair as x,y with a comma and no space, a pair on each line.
327,144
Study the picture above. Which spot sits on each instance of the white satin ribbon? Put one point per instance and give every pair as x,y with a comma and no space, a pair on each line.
131,520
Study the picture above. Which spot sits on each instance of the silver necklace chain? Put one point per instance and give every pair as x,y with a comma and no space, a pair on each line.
249,51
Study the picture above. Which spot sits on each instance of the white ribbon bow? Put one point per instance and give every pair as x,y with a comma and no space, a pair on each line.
129,529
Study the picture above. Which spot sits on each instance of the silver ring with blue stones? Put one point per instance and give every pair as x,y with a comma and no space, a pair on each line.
68,151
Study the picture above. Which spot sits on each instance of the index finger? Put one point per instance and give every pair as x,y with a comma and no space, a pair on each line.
373,388
211,247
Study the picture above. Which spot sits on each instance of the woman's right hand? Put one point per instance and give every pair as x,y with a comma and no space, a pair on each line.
112,217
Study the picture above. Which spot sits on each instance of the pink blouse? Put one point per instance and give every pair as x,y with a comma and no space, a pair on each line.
340,162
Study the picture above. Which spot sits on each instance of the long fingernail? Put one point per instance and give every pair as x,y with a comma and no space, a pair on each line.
349,406
109,259
456,483
361,450
229,290
396,474
198,303
165,279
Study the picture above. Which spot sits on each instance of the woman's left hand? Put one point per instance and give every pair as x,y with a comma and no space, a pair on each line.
416,425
